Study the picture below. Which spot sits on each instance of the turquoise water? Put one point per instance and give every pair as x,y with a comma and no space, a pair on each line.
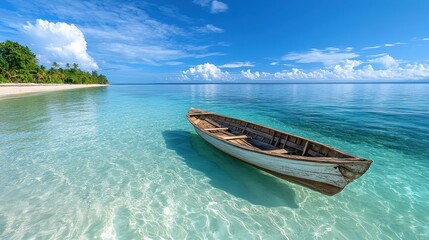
123,163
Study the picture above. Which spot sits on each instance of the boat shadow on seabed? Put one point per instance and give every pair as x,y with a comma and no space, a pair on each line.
230,174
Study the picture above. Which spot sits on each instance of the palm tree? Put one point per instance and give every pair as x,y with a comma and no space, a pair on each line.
55,65
41,75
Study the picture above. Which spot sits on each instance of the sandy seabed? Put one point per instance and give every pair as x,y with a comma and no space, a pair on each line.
16,89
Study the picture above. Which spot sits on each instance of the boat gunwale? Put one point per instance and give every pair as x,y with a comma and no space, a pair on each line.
351,160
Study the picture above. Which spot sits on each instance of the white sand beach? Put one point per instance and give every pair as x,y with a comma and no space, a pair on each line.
18,89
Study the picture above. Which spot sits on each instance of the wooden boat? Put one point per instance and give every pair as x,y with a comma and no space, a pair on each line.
296,159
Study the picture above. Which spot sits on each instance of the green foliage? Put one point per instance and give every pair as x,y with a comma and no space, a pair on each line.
3,66
18,56
3,79
19,65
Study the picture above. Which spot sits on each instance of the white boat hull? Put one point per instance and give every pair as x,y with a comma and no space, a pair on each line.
303,172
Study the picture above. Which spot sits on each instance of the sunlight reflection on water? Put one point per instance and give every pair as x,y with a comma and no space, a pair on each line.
123,162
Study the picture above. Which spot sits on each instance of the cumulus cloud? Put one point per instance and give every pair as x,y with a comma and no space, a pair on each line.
248,74
59,42
386,60
206,71
106,31
214,5
237,65
379,67
328,56
350,70
209,28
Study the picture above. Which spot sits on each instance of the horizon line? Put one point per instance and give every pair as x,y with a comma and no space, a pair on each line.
273,83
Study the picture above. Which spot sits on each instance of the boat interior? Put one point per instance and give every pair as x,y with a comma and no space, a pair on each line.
260,138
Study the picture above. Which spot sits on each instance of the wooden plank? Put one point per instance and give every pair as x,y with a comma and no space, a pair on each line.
281,151
212,122
199,114
244,128
312,153
257,132
272,139
235,137
215,129
305,148
284,144
278,140
294,145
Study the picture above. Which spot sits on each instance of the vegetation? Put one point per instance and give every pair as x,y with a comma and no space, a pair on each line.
19,65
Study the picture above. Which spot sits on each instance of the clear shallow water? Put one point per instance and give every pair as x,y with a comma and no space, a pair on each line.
124,163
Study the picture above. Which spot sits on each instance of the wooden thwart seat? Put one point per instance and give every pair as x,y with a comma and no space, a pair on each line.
215,129
280,151
235,137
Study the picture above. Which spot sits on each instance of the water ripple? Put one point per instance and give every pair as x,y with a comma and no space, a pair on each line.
123,163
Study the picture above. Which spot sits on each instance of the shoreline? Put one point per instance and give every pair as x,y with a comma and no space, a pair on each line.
24,89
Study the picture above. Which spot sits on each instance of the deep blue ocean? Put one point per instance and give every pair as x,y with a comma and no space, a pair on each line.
122,162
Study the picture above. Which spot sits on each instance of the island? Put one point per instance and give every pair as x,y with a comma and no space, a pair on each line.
20,73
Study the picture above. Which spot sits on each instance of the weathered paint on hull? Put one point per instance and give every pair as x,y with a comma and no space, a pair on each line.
323,177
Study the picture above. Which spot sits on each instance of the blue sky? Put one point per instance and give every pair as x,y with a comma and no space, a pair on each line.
225,40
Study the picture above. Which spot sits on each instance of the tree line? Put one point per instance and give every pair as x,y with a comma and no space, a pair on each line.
19,65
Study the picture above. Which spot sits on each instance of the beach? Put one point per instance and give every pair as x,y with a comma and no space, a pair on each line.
18,89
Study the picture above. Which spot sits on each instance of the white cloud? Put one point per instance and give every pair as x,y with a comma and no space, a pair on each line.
351,70
248,74
218,6
206,71
334,49
131,25
393,44
425,39
384,45
209,28
174,63
372,47
328,56
386,68
273,63
386,60
203,3
214,5
376,55
144,54
237,65
59,42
